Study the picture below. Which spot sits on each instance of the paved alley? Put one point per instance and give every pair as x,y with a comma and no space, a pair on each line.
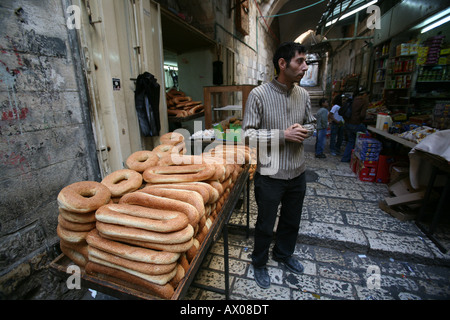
350,248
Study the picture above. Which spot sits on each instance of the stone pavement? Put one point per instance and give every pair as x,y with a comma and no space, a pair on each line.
350,248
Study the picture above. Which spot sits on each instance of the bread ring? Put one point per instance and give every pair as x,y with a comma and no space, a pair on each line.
142,217
174,92
83,196
77,257
190,254
213,193
130,252
216,185
174,112
77,217
160,279
151,201
192,103
165,150
167,248
182,114
70,236
172,138
181,99
122,181
184,186
219,172
123,232
141,160
144,267
196,109
178,276
180,159
191,197
123,278
170,174
75,226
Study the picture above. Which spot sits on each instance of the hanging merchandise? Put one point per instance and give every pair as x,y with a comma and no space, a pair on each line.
218,68
146,99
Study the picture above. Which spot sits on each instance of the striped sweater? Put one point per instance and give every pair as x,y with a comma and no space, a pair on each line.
270,109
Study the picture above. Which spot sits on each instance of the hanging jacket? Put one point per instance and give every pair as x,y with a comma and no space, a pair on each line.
146,99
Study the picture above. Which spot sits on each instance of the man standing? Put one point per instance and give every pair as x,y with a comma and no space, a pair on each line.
321,128
278,119
355,124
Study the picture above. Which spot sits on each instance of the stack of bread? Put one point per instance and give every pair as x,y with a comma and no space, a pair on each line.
77,204
159,211
180,105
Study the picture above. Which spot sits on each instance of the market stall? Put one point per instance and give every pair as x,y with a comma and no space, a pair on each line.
150,225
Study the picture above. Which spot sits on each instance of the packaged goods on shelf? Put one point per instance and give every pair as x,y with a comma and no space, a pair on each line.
368,149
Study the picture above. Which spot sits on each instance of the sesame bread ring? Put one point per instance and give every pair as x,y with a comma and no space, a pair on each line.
165,149
157,202
124,278
189,196
187,173
181,99
77,217
71,236
160,279
163,247
75,226
172,138
83,196
141,160
142,217
131,233
202,190
122,181
78,257
130,252
144,267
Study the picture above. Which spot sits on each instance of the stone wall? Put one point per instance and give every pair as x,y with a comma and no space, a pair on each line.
46,141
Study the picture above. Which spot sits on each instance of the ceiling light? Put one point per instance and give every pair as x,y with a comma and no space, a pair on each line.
436,24
433,18
351,13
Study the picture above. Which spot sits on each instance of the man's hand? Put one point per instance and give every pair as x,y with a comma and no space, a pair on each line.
295,133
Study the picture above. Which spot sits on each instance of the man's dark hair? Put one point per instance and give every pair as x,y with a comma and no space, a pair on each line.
287,51
321,101
337,100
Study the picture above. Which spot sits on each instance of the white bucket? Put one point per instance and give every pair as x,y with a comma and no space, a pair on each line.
381,119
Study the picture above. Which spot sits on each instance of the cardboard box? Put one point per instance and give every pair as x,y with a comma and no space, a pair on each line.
367,170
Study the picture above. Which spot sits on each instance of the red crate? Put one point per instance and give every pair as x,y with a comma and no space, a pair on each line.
367,170
383,170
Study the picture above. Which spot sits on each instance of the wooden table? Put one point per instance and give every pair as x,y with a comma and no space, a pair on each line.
407,143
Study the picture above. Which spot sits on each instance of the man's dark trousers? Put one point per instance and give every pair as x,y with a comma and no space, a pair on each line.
269,193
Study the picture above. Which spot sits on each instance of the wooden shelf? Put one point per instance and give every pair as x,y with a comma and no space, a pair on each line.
392,137
219,99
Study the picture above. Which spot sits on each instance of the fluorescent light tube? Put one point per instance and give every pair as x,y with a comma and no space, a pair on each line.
436,24
351,13
433,18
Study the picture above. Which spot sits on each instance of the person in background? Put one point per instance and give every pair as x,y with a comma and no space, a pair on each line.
354,124
278,114
322,127
336,125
